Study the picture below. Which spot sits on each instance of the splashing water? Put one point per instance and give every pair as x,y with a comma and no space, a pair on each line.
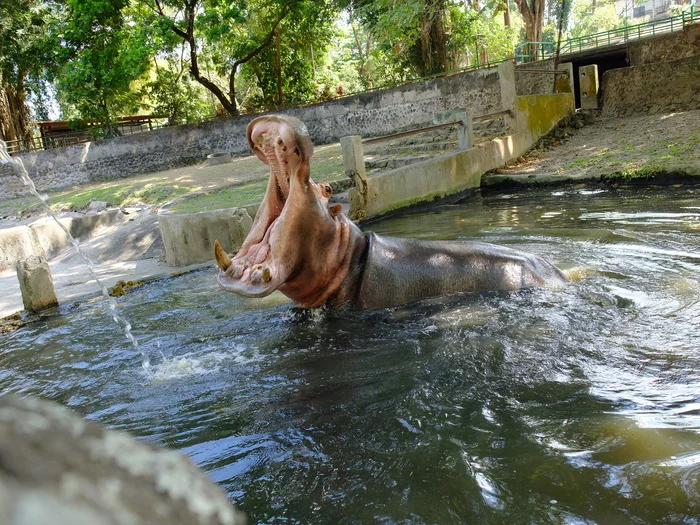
119,319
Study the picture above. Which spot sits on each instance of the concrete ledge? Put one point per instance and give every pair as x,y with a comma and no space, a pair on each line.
45,238
661,177
17,244
188,238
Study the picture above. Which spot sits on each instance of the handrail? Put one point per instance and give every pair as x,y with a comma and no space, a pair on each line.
480,118
611,37
412,132
548,71
494,115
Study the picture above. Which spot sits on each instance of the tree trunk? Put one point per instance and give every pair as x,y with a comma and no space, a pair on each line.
14,114
278,66
432,39
228,102
533,15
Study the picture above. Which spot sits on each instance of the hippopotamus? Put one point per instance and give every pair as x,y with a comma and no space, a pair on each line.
315,255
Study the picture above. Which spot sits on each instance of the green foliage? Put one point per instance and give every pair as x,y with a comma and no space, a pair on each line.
590,17
29,43
171,94
422,37
307,30
106,51
28,38
479,30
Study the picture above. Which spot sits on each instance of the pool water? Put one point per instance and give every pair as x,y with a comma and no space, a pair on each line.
574,405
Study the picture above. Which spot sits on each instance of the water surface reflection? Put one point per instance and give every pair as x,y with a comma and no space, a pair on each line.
572,405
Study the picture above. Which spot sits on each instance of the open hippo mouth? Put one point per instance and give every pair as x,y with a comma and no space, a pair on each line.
292,225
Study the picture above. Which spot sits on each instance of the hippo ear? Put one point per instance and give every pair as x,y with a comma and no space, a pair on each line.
335,210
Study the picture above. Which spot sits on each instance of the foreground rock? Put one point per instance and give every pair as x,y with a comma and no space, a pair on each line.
56,468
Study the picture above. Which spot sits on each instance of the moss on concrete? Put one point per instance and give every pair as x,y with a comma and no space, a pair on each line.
124,287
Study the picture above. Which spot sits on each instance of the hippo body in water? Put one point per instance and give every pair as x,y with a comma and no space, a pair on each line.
316,256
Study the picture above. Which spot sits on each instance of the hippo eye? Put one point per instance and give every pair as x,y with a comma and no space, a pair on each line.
327,190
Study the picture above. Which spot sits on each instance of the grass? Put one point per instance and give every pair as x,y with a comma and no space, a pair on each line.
327,165
158,188
118,195
648,171
242,195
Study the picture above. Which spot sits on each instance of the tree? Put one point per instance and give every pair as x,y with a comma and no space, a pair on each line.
594,17
169,93
532,12
106,52
28,55
228,34
416,30
285,72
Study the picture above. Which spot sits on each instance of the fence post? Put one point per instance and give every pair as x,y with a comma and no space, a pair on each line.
465,132
354,164
506,78
588,82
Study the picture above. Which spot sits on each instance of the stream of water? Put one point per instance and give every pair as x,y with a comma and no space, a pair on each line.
118,317
573,405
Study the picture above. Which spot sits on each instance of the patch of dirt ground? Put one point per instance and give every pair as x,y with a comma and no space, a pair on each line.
629,147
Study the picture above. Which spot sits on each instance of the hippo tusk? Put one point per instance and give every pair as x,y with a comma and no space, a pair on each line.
223,261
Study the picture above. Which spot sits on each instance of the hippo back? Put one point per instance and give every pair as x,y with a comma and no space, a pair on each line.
399,271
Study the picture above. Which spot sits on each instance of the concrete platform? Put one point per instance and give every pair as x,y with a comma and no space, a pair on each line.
126,249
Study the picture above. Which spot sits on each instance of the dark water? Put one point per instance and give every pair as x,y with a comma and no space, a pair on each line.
573,405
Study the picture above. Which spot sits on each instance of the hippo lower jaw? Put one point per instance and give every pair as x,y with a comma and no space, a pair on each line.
253,273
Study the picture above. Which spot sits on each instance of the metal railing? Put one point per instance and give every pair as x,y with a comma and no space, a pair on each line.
480,118
530,51
92,131
412,132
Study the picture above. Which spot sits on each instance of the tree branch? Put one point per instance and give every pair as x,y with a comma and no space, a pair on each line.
266,42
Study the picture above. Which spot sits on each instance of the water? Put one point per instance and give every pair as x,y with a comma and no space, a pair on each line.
118,318
573,405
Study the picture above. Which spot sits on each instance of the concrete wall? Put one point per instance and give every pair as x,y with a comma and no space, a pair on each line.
674,46
45,238
457,172
367,114
662,86
189,238
533,83
538,83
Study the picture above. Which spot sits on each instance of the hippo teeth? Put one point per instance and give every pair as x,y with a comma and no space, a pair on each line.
223,261
260,273
237,271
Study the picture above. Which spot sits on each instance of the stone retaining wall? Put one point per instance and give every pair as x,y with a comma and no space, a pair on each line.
652,88
673,46
534,83
368,114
